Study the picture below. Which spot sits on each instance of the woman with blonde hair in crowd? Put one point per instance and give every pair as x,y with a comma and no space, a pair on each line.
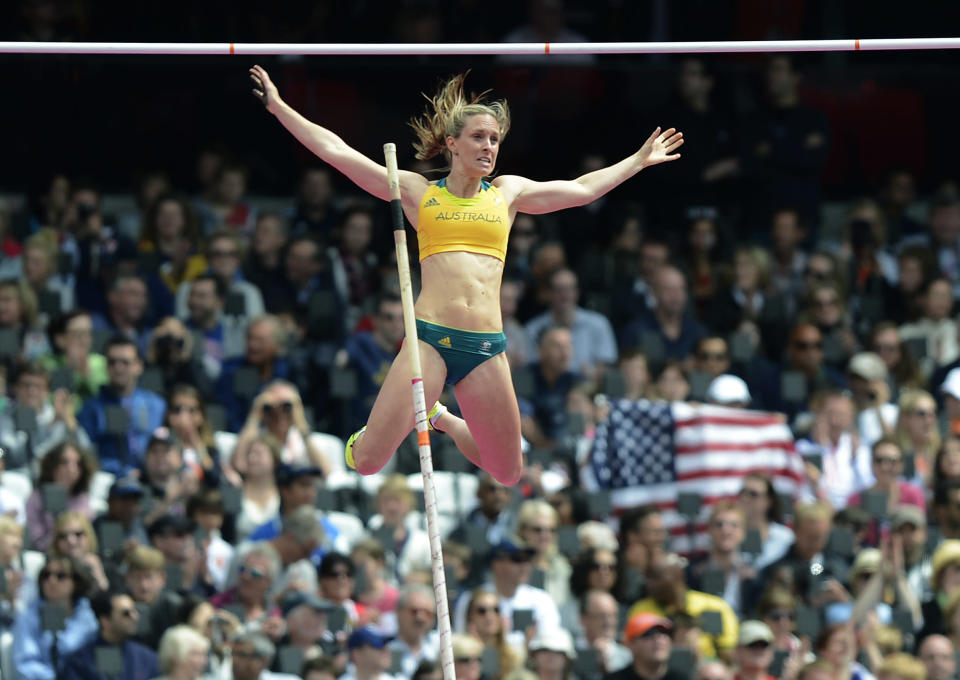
40,270
183,654
917,431
537,528
71,469
18,312
73,536
409,546
485,623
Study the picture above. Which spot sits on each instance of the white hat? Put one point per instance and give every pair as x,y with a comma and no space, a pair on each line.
867,365
553,640
728,389
951,385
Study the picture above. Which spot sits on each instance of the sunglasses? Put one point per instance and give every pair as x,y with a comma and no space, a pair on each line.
520,558
78,534
542,530
888,460
252,571
338,574
609,566
653,632
178,409
483,611
467,659
58,575
284,406
759,645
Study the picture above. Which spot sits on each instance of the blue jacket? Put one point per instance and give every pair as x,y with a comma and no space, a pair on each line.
146,411
32,645
139,663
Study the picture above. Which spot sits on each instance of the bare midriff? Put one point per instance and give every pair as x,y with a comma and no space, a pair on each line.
461,290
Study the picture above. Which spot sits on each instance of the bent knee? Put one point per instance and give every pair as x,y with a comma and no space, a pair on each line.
507,472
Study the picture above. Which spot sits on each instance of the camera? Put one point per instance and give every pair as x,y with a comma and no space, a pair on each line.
167,347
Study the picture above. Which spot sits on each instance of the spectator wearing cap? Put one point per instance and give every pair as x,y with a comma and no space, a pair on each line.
174,536
727,530
117,620
552,654
951,400
754,652
599,618
122,452
918,432
416,639
306,615
647,635
945,583
369,655
123,509
169,481
668,595
869,383
729,390
11,504
145,577
251,587
467,651
320,668
297,486
939,657
910,524
251,656
510,566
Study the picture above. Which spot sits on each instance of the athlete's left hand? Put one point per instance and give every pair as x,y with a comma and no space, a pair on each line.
660,147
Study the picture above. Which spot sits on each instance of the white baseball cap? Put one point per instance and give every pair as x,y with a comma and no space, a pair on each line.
728,389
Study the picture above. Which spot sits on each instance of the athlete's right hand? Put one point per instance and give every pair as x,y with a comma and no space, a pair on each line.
264,89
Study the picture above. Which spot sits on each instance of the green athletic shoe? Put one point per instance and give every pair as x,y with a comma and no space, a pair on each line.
437,411
348,451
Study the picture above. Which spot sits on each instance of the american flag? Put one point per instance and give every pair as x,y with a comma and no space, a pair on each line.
648,452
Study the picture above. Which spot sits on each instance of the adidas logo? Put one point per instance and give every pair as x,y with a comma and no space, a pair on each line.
432,203
445,342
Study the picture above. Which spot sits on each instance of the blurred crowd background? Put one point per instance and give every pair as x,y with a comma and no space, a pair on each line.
194,315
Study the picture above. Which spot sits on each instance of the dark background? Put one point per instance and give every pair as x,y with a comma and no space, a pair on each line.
107,118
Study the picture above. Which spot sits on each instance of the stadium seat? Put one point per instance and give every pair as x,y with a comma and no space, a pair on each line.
100,486
6,656
18,483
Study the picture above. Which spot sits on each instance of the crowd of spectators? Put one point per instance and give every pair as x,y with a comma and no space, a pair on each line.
179,378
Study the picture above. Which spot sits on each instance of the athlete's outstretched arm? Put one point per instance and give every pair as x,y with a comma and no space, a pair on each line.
330,148
528,196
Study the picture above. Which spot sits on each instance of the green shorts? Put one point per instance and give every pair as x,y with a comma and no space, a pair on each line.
462,351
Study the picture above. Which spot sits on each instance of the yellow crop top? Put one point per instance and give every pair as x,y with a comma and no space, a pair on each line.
447,223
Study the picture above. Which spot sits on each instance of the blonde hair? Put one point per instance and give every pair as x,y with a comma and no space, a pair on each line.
65,518
819,510
176,644
448,112
907,403
905,666
8,525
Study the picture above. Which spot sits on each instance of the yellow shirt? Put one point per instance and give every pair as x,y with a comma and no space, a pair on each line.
696,604
447,223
